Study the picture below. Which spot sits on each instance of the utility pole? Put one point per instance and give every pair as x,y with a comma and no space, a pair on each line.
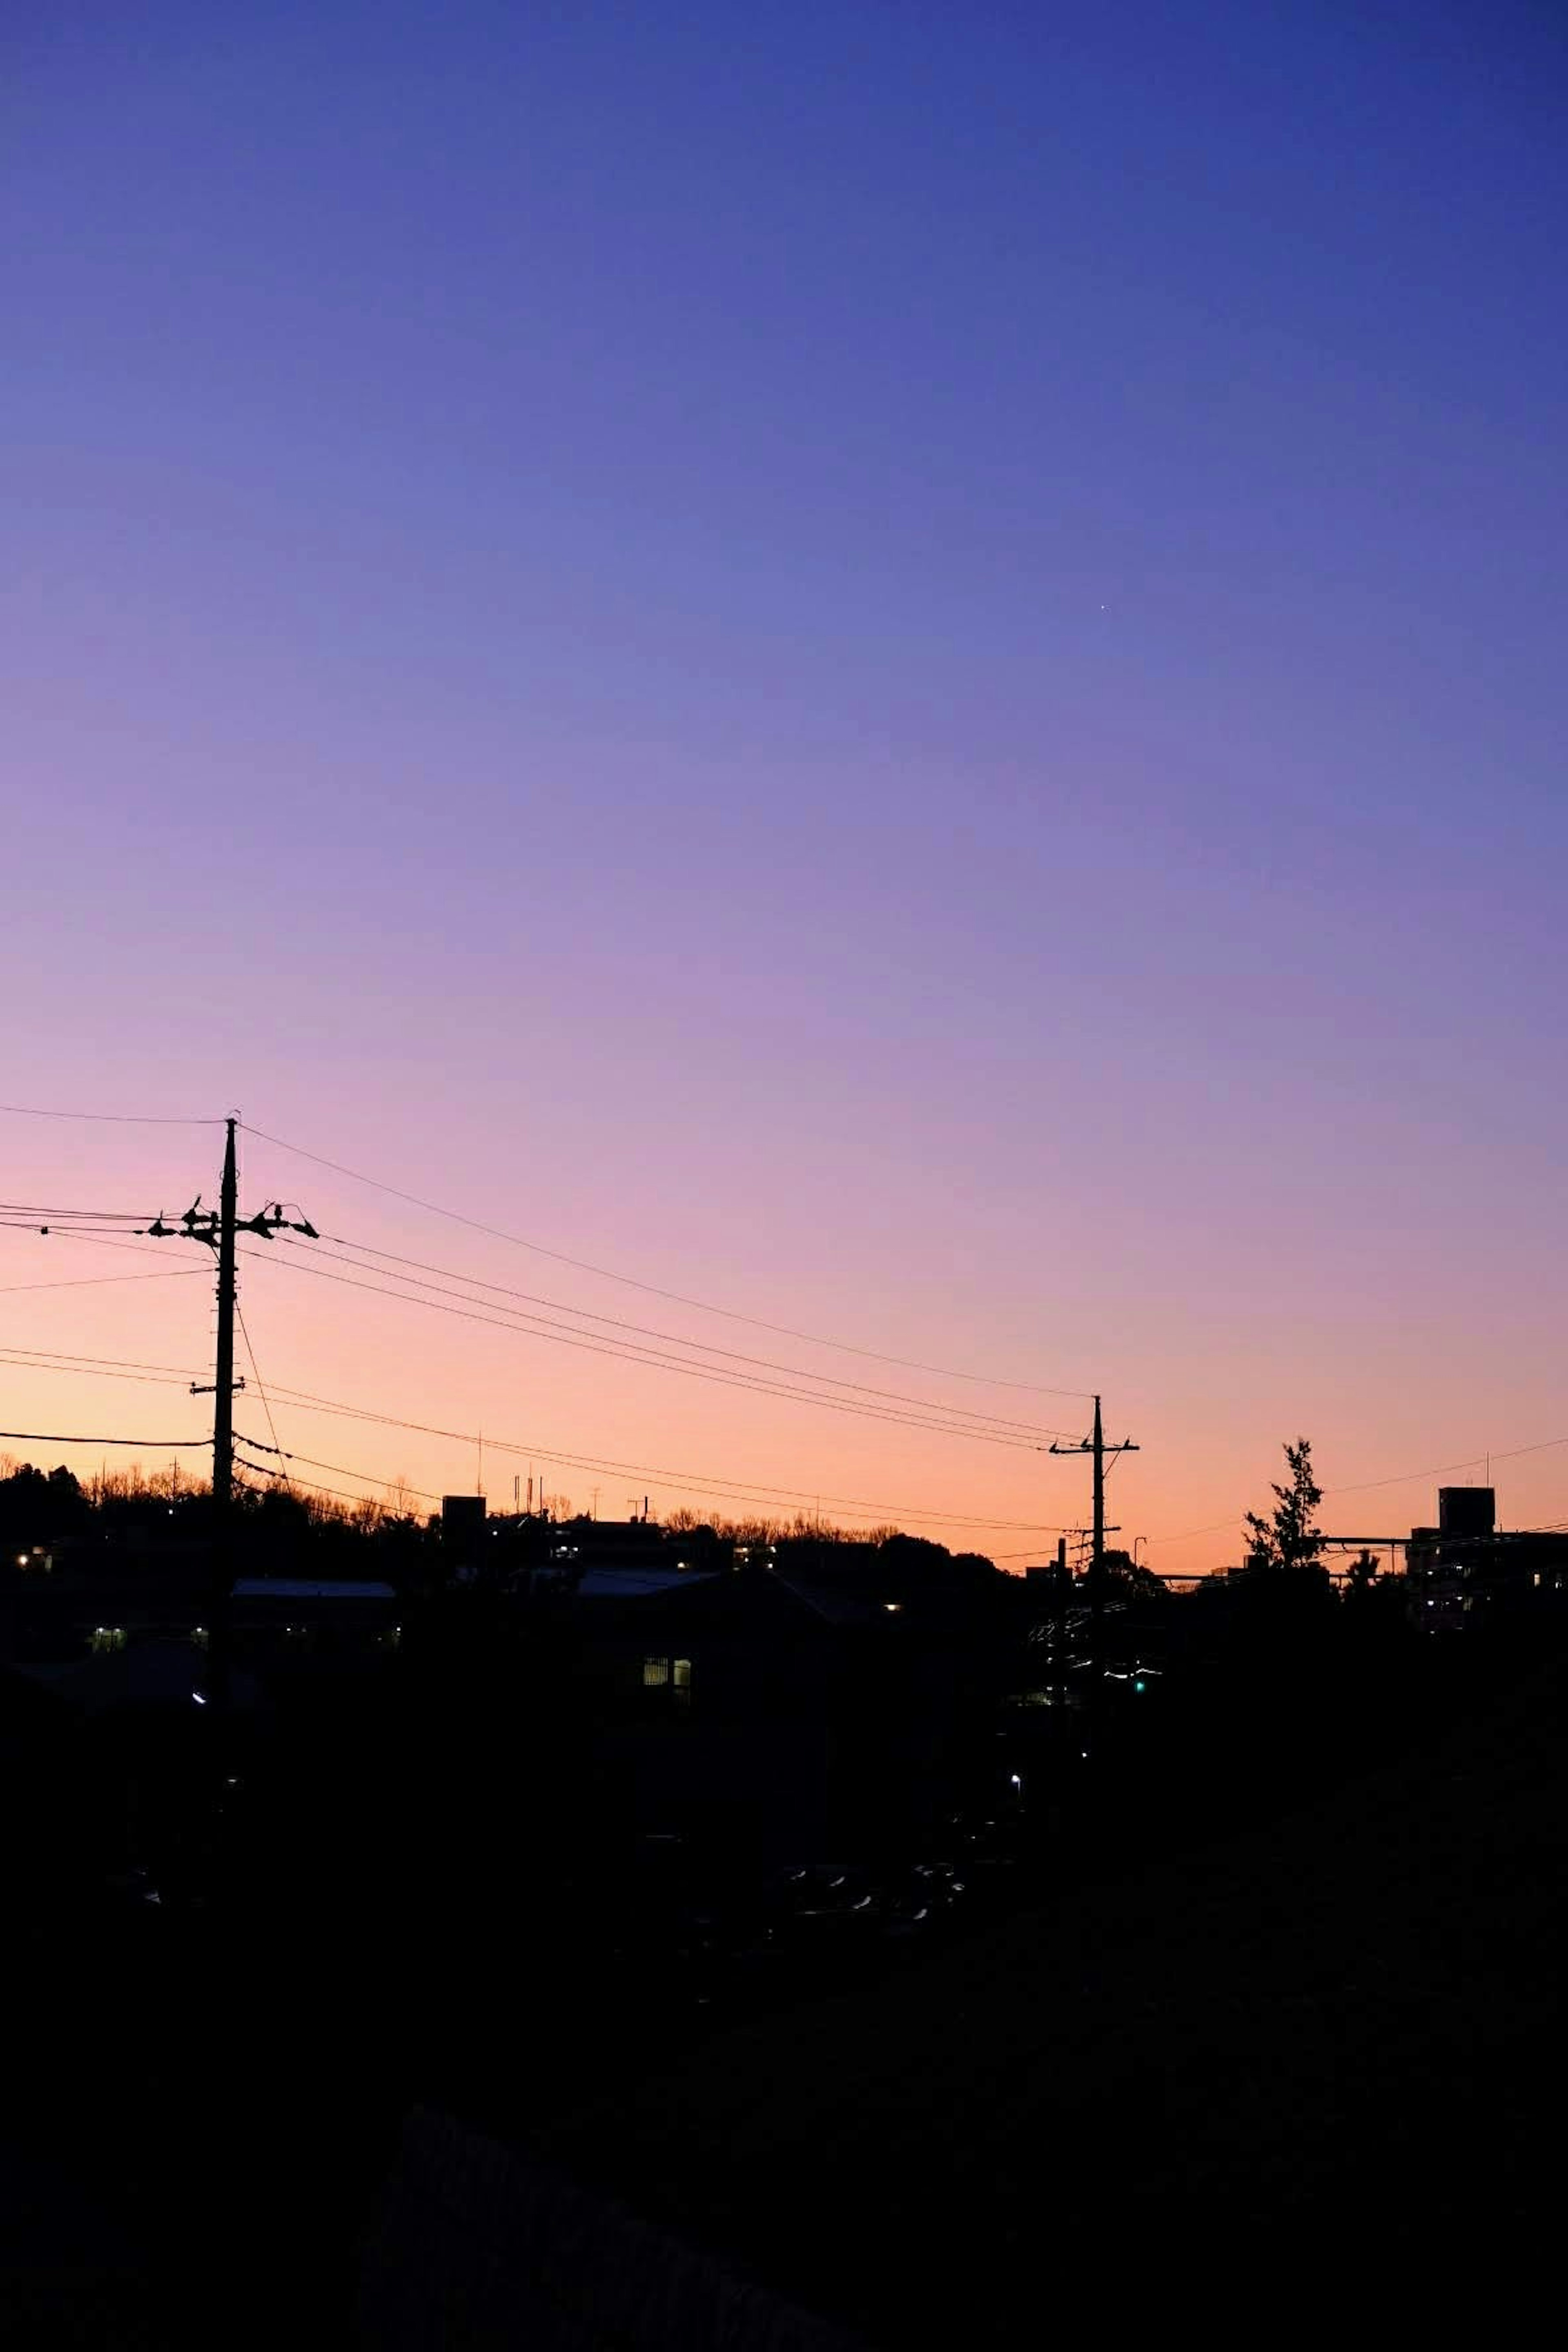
217,1229
1097,1447
223,1431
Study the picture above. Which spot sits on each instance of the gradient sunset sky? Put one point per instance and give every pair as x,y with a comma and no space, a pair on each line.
898,667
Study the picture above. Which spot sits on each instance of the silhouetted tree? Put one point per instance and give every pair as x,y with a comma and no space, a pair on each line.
1363,1571
1289,1540
402,1501
35,1505
1123,1575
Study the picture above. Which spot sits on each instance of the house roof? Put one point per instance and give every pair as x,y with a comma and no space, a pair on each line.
638,1583
146,1673
291,1588
832,1602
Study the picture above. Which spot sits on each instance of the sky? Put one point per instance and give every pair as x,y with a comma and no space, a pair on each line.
894,668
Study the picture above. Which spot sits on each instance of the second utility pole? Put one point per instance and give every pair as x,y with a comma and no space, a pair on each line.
1097,1446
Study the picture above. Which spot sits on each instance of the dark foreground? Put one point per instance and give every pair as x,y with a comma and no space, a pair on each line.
1319,2066
1312,2068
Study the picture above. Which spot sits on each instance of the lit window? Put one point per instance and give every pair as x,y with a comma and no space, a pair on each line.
681,1677
655,1673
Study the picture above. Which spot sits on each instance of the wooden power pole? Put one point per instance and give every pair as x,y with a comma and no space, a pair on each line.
218,1230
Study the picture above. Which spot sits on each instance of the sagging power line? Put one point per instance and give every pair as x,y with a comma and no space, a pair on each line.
723,1488
653,1289
76,1437
363,1250
655,1360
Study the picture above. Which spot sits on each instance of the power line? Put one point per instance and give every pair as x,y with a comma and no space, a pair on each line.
44,1209
1509,1454
95,1239
630,1281
733,1489
688,1481
93,1281
59,1233
317,1485
620,1323
311,1486
55,1437
344,1470
94,1372
1405,1479
1165,1575
1032,1551
1215,1526
104,1117
341,1469
256,1375
119,1363
654,1360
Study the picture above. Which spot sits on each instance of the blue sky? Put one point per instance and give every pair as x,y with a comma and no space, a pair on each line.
957,613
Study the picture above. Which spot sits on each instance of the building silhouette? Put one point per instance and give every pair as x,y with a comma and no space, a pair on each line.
1467,1572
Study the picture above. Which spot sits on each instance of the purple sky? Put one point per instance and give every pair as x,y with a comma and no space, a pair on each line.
901,666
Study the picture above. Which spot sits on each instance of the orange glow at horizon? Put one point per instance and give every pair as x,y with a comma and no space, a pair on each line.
598,1432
